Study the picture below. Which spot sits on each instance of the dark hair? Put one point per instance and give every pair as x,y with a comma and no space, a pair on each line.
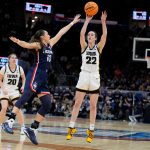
95,35
37,36
11,55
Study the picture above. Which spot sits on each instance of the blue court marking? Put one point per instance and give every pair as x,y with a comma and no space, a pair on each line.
99,133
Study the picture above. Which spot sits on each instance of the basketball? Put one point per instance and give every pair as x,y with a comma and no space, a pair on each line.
91,8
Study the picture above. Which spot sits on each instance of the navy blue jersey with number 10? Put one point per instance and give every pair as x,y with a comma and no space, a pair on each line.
37,77
43,57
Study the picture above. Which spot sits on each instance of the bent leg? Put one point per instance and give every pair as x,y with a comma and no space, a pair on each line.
8,125
93,112
79,96
44,109
93,107
20,116
22,100
4,106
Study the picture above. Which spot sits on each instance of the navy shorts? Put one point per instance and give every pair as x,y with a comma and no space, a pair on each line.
37,81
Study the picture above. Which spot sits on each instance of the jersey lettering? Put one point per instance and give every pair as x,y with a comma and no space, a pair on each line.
48,58
12,81
90,59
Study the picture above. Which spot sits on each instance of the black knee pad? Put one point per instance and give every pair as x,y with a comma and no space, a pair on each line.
46,105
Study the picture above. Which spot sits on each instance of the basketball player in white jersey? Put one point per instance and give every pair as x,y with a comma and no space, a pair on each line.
89,79
9,79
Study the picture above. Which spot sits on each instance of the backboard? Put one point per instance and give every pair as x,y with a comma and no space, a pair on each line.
141,49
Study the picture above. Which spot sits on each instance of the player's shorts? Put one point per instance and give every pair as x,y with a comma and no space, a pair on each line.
36,81
88,82
11,96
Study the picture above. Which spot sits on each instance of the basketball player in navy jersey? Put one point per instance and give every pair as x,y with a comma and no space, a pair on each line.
89,79
36,81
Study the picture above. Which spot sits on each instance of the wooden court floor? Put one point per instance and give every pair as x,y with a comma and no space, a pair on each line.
109,135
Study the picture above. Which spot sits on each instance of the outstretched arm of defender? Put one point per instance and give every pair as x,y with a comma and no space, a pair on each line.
34,45
102,41
55,39
83,31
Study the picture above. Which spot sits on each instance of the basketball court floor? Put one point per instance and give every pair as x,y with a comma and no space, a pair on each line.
109,135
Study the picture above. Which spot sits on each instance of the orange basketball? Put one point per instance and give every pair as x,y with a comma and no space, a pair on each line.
91,8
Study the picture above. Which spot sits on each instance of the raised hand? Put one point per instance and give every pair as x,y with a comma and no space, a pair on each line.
14,39
88,18
76,18
103,16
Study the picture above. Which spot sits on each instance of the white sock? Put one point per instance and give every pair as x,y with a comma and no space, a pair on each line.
23,126
92,127
11,122
71,124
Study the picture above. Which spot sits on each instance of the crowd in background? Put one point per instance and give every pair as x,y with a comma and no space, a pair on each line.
113,104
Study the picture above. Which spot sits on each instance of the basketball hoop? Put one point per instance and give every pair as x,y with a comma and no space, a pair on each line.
148,62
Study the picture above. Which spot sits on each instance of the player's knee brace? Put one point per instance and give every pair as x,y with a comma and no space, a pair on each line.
24,98
46,104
